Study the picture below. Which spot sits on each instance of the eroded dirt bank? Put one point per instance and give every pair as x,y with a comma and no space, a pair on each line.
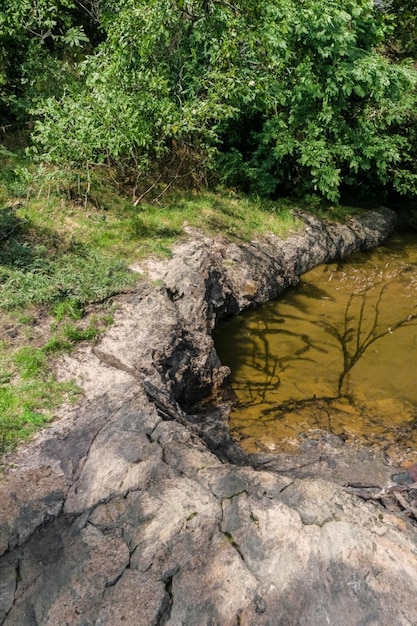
137,508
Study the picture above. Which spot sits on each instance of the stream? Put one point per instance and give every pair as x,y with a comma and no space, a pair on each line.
336,353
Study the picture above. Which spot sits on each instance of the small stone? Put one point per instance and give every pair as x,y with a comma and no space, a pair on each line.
403,478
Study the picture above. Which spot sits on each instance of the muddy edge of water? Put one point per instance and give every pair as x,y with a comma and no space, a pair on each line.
337,353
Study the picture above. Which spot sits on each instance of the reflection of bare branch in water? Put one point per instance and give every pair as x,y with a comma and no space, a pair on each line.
361,326
365,318
280,410
317,412
355,338
270,366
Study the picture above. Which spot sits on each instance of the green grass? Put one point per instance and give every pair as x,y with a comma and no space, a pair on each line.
77,275
29,362
27,405
28,393
66,244
29,390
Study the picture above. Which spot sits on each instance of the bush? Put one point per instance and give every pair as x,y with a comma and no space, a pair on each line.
268,96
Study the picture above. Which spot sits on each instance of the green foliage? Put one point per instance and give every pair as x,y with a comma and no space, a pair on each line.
76,334
28,276
404,36
267,96
28,393
15,181
67,307
40,44
30,362
167,75
56,345
27,406
68,336
340,109
9,223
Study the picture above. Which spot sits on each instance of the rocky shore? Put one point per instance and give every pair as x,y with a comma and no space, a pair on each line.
136,507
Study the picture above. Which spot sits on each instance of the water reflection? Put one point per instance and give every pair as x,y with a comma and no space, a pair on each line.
338,352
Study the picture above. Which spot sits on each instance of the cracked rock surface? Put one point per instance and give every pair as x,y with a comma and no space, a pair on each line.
137,508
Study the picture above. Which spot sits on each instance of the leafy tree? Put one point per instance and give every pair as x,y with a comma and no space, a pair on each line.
165,78
40,45
268,96
402,43
342,108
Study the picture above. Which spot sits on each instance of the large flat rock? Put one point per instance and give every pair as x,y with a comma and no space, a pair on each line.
137,508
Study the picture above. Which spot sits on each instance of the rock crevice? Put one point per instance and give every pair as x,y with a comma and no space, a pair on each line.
136,507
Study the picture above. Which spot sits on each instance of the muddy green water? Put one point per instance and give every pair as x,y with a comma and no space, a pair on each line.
336,353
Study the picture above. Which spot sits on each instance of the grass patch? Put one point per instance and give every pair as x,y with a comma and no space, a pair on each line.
30,362
66,281
27,406
29,391
75,334
57,344
235,216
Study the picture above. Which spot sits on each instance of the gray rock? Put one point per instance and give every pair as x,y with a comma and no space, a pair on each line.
138,508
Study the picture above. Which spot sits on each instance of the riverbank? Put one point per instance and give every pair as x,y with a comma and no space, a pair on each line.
137,507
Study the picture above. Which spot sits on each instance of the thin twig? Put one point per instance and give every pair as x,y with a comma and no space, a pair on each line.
136,202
